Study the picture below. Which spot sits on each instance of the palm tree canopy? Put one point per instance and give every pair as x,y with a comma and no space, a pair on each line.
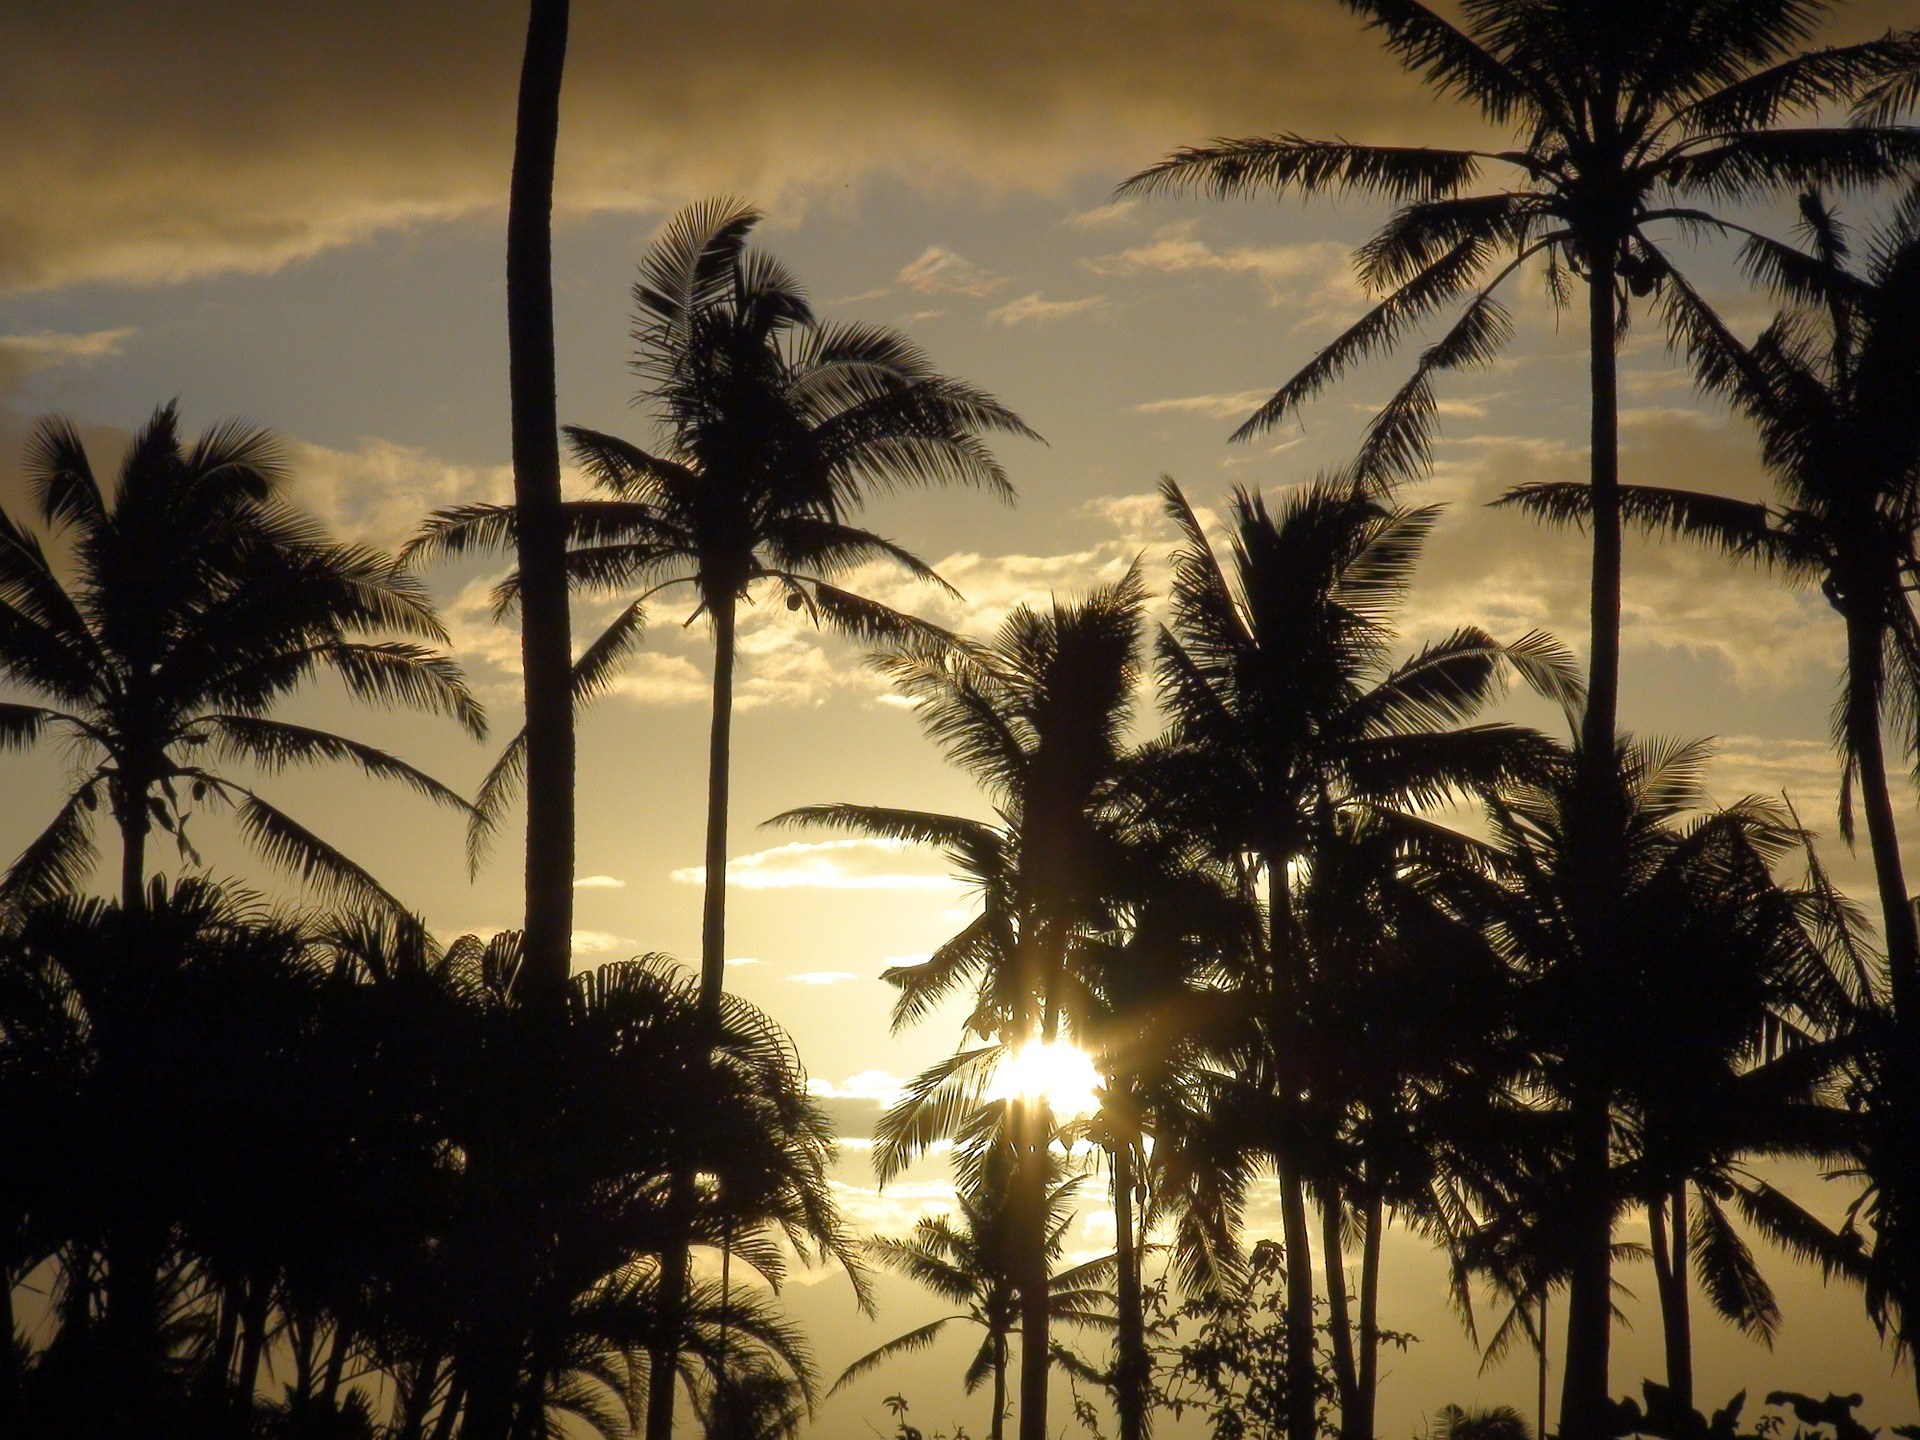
772,428
1625,114
1277,675
1826,384
195,601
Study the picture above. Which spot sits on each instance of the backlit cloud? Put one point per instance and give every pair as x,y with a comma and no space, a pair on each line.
1033,309
856,864
940,271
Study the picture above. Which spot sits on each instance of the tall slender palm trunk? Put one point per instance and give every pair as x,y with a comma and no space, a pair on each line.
1346,1375
1670,1261
1302,1416
1130,1371
1900,1211
713,917
1584,1388
135,1243
713,969
998,1428
1035,1303
1363,1420
546,648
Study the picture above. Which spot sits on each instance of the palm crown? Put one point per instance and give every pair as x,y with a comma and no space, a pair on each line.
1628,113
197,601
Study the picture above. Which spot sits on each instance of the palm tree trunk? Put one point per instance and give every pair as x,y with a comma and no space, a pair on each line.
1035,1309
1130,1361
134,828
419,1399
1583,1397
1302,1417
1864,739
1865,680
1603,658
9,1356
253,1342
546,646
1339,1314
1670,1280
713,919
1583,1386
336,1364
713,969
450,1411
997,1429
1679,1320
1369,1395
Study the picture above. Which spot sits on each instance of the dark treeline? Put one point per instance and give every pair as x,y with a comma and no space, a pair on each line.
279,1172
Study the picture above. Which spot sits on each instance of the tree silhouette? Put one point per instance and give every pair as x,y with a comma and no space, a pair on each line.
1630,117
1826,385
546,647
969,1260
1713,957
1039,716
773,428
198,601
1284,708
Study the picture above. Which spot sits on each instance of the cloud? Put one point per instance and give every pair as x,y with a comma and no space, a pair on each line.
1225,406
940,271
380,492
1101,217
859,864
881,1086
357,119
596,942
822,977
1032,310
1315,274
29,354
599,882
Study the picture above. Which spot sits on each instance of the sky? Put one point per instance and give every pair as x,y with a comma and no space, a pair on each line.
294,214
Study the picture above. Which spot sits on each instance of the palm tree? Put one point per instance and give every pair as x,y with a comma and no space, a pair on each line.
968,1260
552,1262
1629,116
197,601
546,647
773,429
1827,385
1040,717
1284,709
1716,961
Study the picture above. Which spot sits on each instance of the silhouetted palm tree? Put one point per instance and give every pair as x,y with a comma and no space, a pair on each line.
1284,709
969,1260
1039,716
1629,116
1713,957
1829,386
546,646
774,429
196,602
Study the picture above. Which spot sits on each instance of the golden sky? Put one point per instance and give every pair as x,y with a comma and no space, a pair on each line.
292,212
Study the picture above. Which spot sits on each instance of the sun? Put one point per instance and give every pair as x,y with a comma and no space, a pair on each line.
1056,1071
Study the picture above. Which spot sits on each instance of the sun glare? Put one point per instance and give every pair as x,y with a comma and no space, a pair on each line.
1056,1071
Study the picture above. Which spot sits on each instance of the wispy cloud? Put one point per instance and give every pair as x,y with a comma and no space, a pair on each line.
1315,273
599,882
822,977
1220,406
940,271
859,864
1102,217
1034,310
29,354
